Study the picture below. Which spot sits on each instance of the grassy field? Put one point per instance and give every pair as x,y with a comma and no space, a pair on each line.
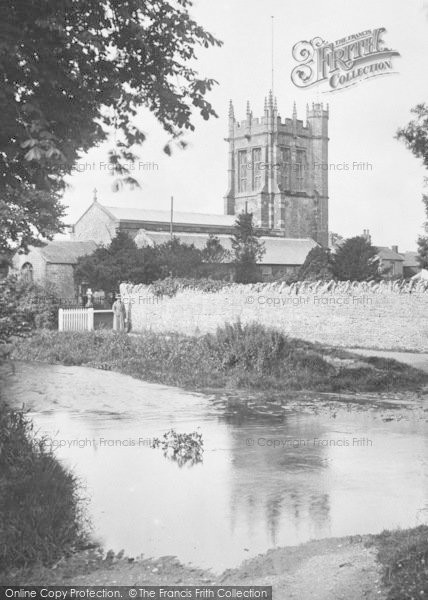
235,356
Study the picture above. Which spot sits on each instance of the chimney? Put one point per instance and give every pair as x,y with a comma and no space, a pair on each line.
367,236
395,249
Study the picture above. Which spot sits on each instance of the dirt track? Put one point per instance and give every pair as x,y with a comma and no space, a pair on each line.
330,569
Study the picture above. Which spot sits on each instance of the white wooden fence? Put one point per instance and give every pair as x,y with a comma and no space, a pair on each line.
76,319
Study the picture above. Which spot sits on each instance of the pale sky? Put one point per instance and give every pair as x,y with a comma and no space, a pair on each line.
363,119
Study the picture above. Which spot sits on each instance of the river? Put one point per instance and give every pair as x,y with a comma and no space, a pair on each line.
262,483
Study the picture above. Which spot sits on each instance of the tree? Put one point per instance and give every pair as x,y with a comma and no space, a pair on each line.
177,259
25,306
318,265
74,71
423,239
248,250
415,134
356,260
121,261
214,252
335,239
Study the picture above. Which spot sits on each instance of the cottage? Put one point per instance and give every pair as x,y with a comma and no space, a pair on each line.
54,264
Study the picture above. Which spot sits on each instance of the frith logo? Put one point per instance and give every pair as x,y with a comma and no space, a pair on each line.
344,62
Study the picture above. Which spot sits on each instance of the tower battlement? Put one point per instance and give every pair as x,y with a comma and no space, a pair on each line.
275,169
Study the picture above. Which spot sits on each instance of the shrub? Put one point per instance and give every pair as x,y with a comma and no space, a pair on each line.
40,513
170,286
404,557
25,306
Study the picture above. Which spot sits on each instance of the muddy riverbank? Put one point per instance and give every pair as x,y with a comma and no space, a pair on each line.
330,569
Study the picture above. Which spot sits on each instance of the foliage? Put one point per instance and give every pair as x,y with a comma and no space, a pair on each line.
26,215
72,73
236,356
318,265
182,448
170,286
40,514
423,239
121,261
404,557
248,250
335,239
356,260
415,133
25,306
214,252
177,259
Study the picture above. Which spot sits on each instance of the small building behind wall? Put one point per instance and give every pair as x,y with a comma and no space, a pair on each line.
53,264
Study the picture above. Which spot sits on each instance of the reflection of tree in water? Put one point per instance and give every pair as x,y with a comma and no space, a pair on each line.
279,486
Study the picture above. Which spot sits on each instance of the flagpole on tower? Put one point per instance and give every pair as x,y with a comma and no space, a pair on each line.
272,52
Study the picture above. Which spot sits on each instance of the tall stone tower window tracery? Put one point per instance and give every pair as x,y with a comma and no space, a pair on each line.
242,169
256,169
284,168
300,170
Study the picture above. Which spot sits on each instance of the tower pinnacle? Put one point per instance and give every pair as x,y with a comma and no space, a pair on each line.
294,111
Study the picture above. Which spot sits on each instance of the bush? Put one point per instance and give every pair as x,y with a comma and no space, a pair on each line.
317,266
25,306
171,285
404,556
40,513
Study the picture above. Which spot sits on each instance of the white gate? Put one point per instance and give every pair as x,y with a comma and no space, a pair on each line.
76,319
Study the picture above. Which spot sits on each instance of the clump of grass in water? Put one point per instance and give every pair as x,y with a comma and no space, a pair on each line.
182,448
41,516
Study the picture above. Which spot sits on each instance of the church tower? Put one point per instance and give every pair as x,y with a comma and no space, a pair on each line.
278,170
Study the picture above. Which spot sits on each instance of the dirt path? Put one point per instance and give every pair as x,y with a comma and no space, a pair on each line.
330,569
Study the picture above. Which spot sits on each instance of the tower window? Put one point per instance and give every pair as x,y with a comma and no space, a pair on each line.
300,170
257,173
242,171
284,170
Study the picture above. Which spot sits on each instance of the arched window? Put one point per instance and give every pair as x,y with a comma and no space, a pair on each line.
27,272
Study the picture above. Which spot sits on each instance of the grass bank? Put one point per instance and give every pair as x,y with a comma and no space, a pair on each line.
236,356
404,558
40,512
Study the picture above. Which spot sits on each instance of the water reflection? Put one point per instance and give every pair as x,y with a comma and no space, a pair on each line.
249,494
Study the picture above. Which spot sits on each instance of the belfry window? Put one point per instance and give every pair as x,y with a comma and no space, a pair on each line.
242,171
284,168
300,170
257,172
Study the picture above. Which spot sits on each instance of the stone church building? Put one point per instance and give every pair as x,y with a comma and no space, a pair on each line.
275,171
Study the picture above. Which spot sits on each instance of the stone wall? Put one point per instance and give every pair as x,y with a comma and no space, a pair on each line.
355,317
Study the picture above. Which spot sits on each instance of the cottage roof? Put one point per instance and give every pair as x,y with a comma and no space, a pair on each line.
279,251
66,252
387,254
410,259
